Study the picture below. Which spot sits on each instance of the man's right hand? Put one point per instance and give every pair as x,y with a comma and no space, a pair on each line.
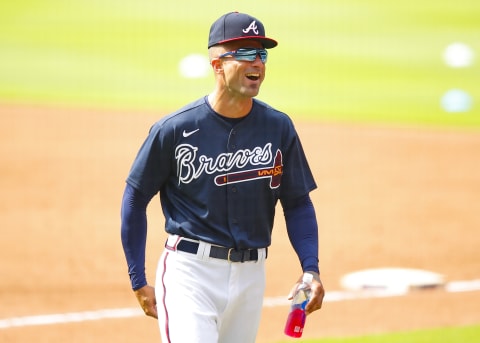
146,299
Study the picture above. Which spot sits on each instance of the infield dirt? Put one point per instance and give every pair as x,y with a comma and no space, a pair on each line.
386,197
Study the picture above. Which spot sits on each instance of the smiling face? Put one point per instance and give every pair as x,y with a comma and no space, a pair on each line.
238,79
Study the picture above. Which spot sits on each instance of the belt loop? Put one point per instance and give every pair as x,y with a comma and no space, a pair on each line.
172,242
228,255
203,252
244,254
262,254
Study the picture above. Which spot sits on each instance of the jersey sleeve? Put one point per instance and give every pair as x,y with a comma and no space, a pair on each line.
297,178
152,165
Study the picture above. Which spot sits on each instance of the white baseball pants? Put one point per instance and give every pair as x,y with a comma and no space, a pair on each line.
208,300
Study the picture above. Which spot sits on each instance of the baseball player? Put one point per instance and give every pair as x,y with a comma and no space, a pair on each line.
220,165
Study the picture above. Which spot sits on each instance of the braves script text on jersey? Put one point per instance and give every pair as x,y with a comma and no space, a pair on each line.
240,169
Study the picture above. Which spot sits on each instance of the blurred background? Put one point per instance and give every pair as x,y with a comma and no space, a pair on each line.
344,60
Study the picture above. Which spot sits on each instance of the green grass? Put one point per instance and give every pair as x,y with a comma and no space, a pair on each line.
444,335
339,60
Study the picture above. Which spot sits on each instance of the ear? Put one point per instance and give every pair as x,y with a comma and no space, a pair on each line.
217,66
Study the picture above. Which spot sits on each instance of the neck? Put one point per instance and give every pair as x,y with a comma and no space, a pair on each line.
230,107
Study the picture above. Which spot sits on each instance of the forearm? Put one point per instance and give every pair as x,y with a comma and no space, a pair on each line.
302,231
134,234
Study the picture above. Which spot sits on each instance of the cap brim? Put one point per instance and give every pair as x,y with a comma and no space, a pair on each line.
267,43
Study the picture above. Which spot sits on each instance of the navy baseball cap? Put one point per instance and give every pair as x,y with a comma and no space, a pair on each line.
236,26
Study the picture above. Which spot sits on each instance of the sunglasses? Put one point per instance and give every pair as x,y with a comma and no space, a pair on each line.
247,54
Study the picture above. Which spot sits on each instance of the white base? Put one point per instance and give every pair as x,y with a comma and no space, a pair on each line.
394,279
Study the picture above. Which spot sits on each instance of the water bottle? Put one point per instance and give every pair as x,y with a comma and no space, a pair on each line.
296,317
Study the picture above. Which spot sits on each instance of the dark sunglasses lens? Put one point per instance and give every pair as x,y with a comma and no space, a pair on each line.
263,55
246,54
250,54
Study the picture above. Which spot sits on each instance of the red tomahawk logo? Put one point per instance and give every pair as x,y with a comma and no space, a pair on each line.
274,173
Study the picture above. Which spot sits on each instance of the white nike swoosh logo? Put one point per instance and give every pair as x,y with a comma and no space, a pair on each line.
186,134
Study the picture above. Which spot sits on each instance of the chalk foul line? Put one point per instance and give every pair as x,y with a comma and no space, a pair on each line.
334,296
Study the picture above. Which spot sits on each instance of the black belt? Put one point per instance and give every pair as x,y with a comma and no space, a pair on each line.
229,254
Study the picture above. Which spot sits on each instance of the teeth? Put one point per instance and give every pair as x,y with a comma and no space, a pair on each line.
253,76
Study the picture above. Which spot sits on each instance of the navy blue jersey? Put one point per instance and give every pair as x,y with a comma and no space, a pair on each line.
220,182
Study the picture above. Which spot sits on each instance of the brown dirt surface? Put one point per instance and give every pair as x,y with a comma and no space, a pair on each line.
386,197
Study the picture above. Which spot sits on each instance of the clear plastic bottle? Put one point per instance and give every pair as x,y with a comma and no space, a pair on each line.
296,317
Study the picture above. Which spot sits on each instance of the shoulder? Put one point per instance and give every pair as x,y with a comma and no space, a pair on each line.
181,116
272,119
272,113
259,105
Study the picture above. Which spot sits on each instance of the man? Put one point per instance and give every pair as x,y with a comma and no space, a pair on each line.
220,165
